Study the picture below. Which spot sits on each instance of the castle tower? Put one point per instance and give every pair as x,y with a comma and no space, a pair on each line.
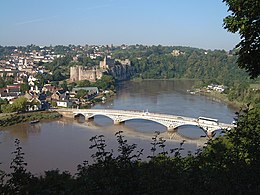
81,73
74,73
94,75
103,64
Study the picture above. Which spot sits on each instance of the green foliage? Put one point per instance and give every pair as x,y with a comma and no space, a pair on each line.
233,160
2,83
226,165
58,76
7,108
11,119
2,103
157,62
53,182
64,85
20,179
6,51
81,93
83,83
2,177
20,104
58,63
245,20
87,61
24,87
241,92
106,82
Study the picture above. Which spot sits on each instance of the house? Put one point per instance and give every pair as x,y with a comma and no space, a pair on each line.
8,96
218,88
92,92
49,87
13,89
34,103
31,80
93,89
60,95
64,103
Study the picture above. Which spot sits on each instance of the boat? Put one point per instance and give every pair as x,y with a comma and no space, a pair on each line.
34,121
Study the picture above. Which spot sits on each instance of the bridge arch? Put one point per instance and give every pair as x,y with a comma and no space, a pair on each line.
147,119
212,133
91,116
185,131
78,115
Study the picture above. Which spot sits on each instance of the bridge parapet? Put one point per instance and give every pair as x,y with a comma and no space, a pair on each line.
169,121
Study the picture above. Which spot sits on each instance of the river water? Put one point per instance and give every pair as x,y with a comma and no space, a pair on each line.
64,143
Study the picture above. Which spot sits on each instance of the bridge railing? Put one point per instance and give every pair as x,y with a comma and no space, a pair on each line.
142,114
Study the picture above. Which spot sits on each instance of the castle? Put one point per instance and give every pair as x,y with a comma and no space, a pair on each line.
78,73
119,69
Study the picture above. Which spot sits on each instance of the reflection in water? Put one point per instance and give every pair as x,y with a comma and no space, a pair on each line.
65,143
23,131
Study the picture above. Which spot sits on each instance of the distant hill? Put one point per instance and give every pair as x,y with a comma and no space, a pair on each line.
167,62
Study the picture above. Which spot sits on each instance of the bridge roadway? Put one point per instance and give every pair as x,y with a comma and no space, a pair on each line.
171,122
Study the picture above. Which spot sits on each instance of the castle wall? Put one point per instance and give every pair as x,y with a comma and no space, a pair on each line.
120,72
88,75
78,73
74,73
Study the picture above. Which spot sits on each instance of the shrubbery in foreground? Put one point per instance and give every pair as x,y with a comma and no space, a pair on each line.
228,164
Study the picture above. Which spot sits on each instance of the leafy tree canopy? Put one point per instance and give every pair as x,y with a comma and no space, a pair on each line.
83,83
81,93
20,104
245,20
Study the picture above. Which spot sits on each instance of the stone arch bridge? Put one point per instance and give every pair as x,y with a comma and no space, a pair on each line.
171,122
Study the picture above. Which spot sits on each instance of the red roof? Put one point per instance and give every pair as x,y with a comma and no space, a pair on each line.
13,87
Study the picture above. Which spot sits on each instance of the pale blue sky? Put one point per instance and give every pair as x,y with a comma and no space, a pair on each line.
195,23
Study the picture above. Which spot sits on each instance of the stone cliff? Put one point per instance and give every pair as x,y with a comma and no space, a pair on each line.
121,72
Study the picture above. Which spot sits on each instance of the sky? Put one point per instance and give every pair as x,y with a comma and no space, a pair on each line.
194,23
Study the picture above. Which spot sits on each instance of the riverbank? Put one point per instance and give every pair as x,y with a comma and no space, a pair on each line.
16,118
138,79
223,98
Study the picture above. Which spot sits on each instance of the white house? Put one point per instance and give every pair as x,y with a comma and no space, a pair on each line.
64,103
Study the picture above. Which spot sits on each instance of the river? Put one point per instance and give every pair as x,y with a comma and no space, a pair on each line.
64,143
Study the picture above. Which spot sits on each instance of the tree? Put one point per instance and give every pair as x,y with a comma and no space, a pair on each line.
7,108
24,87
20,178
64,85
3,102
81,93
245,20
20,104
84,83
105,82
57,75
2,83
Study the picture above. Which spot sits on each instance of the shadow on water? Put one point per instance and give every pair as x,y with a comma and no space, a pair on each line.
190,132
145,126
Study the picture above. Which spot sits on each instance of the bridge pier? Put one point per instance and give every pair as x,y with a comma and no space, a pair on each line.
210,134
171,122
172,129
90,118
116,122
